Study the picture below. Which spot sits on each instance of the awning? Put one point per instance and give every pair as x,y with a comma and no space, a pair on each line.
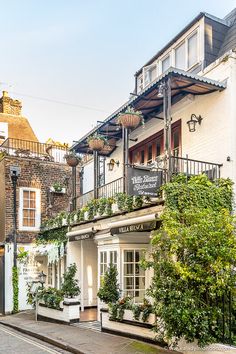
133,221
182,83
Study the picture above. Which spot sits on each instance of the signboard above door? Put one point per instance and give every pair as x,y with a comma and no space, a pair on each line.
142,181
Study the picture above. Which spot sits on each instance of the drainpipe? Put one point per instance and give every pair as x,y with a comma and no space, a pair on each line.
125,133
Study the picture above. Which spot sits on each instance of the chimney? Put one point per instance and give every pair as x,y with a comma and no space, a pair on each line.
9,106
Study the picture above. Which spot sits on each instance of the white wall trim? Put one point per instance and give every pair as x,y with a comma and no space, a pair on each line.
38,209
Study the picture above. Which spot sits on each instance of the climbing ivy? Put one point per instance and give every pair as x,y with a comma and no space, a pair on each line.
52,235
15,285
193,258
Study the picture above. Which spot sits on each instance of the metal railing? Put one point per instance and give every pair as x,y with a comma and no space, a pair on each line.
191,167
33,149
177,165
111,189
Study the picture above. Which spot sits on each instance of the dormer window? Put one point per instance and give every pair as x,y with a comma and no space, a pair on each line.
150,73
180,56
192,50
165,64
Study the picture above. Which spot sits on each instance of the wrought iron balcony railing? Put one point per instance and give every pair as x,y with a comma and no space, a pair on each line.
177,165
32,149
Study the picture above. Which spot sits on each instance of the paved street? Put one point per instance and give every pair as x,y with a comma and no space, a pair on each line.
12,342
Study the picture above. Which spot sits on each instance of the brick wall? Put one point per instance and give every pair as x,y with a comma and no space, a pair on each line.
37,174
10,106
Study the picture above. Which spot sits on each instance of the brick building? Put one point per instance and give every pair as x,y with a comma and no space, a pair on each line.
41,167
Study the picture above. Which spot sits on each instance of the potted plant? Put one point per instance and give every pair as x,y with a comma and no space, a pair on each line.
130,118
96,142
109,290
70,287
57,188
72,159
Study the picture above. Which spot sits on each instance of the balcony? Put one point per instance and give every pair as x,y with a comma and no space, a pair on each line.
177,165
31,149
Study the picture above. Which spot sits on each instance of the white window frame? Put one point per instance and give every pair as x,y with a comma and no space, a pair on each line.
108,253
164,58
147,69
135,249
37,208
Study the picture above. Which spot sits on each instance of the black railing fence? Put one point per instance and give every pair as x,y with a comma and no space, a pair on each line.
227,320
33,149
191,167
111,189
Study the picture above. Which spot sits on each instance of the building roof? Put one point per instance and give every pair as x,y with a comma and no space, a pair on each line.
230,37
182,84
181,33
18,127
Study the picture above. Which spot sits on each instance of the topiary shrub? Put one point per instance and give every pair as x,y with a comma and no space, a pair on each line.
109,290
70,287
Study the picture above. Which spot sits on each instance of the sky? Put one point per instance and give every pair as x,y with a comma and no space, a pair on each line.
72,62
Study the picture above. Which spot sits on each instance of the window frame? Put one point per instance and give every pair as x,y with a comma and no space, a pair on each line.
37,209
134,275
152,140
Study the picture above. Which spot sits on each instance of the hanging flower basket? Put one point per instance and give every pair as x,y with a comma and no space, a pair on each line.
130,118
96,142
72,159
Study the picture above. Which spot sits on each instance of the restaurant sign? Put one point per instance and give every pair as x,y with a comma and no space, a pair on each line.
146,226
84,236
144,182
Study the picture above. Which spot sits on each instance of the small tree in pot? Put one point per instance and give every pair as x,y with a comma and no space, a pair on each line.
109,290
70,287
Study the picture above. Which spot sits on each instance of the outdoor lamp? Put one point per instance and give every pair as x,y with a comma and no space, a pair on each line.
42,278
193,122
112,163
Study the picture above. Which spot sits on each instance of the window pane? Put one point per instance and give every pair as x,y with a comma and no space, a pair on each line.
165,63
192,50
158,148
137,256
129,283
105,257
129,269
180,57
149,153
142,157
129,256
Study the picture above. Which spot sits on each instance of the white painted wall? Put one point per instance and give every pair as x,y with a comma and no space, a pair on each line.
214,140
8,278
84,255
88,182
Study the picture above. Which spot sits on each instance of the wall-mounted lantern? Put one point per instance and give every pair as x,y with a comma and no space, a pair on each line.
42,278
112,163
193,122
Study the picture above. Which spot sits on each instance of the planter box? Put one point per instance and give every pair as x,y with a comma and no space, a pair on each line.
128,327
69,312
129,316
62,191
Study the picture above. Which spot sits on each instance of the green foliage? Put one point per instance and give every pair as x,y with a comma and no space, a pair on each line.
15,285
22,256
51,297
57,187
70,287
193,257
97,136
102,207
109,290
53,235
145,309
117,309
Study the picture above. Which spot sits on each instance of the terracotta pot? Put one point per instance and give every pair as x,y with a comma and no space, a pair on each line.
96,144
72,161
129,120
